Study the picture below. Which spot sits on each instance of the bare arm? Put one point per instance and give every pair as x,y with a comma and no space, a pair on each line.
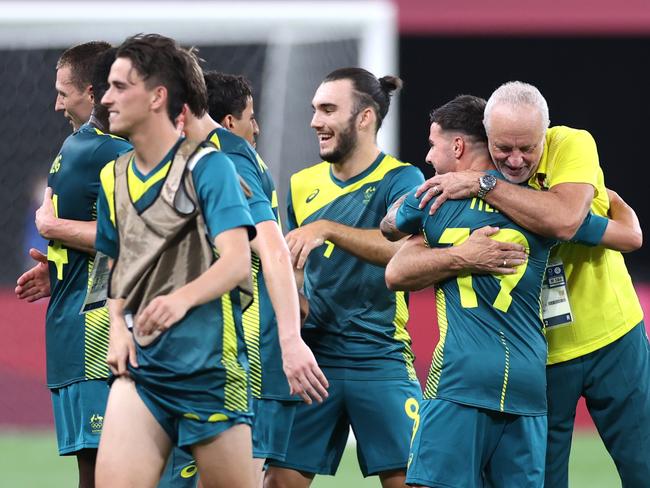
75,234
388,225
557,213
366,244
304,376
121,346
232,267
623,231
416,266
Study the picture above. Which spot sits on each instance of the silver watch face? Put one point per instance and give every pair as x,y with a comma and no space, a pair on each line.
487,182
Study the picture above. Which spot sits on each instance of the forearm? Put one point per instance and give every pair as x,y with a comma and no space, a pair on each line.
116,313
556,213
415,267
75,234
623,231
225,274
388,225
366,244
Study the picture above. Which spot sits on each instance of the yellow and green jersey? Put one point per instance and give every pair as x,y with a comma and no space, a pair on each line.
603,301
204,350
260,326
76,343
355,326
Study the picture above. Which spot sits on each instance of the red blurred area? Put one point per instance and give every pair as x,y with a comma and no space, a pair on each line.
25,400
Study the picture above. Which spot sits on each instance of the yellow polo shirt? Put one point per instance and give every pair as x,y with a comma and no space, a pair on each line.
603,301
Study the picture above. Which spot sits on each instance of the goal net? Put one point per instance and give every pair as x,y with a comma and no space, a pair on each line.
284,48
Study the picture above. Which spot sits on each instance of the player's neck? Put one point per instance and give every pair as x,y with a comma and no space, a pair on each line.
198,129
152,142
359,160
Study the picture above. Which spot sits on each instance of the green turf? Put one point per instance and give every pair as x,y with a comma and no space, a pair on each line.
30,460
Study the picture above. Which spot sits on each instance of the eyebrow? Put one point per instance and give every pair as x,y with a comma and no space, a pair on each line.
324,106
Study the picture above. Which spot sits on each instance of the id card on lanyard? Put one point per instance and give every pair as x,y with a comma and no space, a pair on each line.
556,308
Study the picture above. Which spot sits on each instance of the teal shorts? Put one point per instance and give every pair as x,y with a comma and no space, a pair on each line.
181,470
376,410
461,446
186,428
272,427
615,381
79,415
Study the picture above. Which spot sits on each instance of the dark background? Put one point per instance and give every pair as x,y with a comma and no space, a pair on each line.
599,84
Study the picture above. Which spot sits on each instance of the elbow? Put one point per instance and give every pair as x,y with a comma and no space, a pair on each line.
389,231
565,231
634,243
393,278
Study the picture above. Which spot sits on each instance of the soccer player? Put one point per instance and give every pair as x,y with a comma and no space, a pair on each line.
356,326
490,358
184,382
597,342
270,342
76,343
230,99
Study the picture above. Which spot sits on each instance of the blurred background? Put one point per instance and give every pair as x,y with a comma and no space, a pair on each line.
588,57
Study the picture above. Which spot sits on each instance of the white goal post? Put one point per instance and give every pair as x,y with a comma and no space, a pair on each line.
296,34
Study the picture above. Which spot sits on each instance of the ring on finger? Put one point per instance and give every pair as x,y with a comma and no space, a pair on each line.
505,263
435,190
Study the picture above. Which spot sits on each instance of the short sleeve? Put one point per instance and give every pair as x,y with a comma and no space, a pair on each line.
259,203
591,231
106,240
292,223
410,217
573,160
221,198
402,180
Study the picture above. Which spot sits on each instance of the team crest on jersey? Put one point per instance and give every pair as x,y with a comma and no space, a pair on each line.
56,164
96,423
368,193
312,195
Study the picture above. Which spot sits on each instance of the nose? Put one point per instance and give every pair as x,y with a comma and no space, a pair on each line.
516,160
58,104
256,128
316,121
429,157
106,99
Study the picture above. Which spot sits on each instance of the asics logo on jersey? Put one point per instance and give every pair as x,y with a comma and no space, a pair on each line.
56,165
312,195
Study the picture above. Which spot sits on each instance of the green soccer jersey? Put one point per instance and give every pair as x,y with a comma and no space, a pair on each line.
492,351
76,344
260,326
200,361
355,326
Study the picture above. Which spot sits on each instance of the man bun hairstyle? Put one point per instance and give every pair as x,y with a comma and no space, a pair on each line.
368,90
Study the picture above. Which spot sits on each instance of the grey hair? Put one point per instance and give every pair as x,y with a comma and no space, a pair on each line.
516,94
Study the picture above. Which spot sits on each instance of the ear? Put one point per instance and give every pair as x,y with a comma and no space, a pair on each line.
228,122
90,93
180,120
367,119
458,146
159,98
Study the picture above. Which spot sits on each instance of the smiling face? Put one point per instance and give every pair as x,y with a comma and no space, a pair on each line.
127,99
516,140
335,120
76,105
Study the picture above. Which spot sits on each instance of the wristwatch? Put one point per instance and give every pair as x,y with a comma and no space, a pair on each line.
485,184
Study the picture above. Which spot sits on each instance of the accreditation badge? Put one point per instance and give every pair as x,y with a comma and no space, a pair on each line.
97,291
556,308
